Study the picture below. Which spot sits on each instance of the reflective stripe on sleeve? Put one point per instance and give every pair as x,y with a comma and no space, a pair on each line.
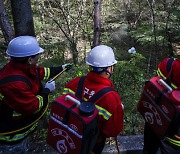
15,114
40,101
159,73
46,73
40,98
174,86
1,96
67,90
106,115
172,141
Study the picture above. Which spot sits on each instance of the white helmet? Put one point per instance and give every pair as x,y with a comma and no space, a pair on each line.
101,56
23,46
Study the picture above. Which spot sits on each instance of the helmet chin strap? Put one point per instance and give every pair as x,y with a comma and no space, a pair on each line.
108,73
102,69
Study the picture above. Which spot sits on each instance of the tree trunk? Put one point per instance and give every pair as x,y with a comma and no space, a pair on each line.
74,50
22,17
5,24
168,7
97,22
153,52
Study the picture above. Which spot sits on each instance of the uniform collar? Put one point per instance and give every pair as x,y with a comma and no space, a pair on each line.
23,67
97,79
178,59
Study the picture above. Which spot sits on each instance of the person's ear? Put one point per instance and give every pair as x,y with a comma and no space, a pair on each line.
30,60
110,69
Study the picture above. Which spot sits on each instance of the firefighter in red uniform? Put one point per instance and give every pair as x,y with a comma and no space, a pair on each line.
171,143
101,59
23,99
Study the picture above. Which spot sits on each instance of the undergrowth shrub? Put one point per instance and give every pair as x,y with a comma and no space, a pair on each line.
128,78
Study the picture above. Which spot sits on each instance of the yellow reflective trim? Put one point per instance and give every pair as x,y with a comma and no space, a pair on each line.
33,123
106,115
174,86
67,90
159,73
46,73
1,96
18,136
15,114
40,101
175,142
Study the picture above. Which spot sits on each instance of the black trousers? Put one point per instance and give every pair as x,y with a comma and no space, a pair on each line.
152,143
99,147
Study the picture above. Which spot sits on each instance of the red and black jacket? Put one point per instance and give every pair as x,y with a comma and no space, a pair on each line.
21,102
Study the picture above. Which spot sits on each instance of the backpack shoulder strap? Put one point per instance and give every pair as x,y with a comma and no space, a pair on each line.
13,78
80,87
169,70
99,94
96,96
169,64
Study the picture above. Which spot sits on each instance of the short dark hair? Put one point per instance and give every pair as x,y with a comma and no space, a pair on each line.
22,60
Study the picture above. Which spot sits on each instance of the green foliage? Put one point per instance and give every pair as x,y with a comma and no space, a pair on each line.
142,34
128,78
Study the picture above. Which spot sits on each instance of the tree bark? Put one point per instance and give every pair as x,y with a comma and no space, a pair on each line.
22,17
97,22
5,24
168,7
153,52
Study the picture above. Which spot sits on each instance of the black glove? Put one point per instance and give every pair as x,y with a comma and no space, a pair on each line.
68,66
